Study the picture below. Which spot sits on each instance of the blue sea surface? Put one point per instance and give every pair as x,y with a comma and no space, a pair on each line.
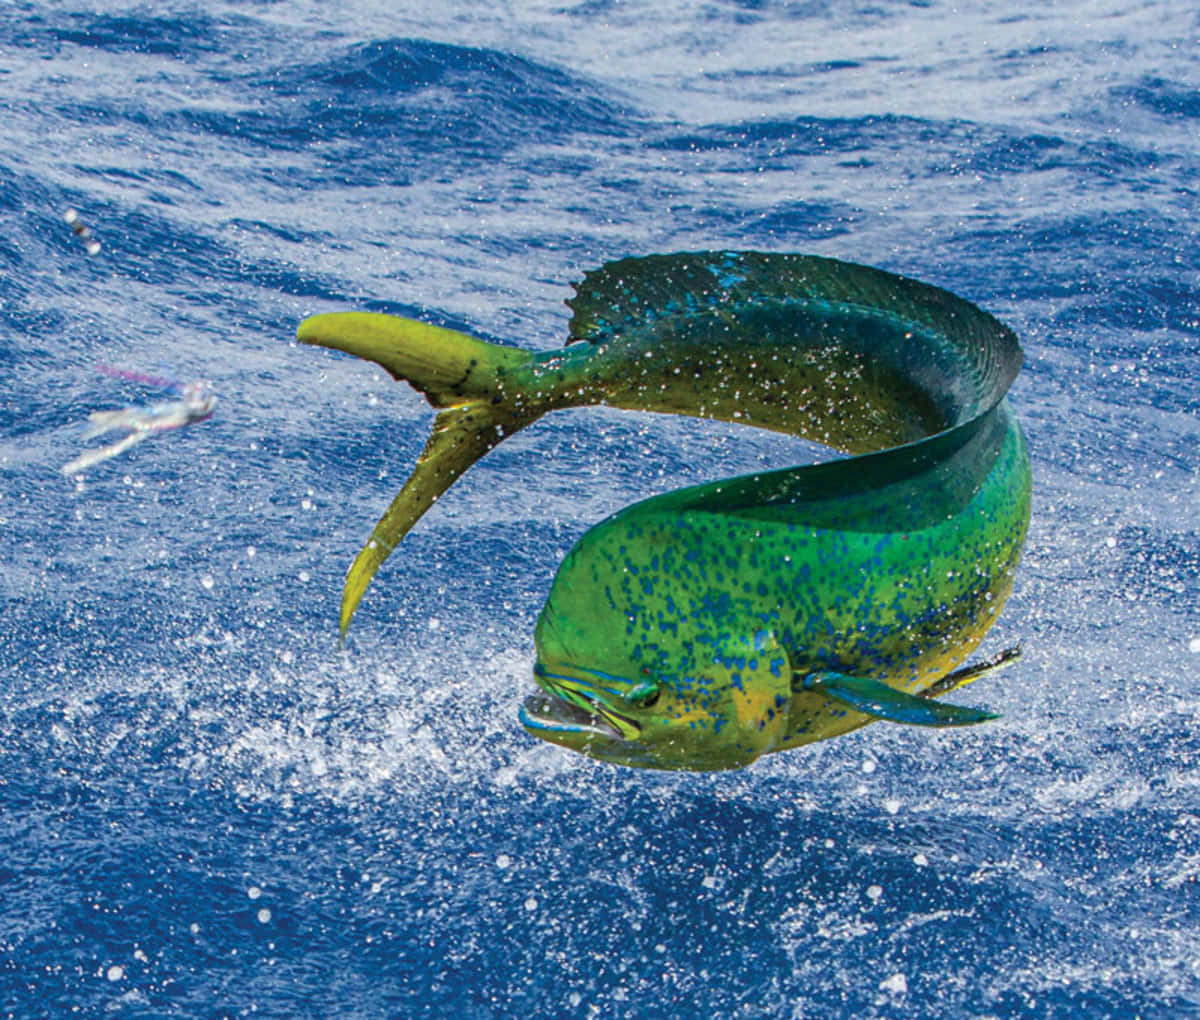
208,809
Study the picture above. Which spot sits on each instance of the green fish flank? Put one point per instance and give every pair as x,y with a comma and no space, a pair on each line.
705,627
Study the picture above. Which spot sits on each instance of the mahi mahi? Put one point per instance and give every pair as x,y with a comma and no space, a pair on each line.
704,627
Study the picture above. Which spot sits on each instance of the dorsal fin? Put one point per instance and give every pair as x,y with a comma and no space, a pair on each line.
635,292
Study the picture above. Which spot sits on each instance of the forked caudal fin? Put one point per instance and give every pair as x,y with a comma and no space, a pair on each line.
462,376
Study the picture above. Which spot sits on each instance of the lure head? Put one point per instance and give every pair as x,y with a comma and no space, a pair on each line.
198,399
718,707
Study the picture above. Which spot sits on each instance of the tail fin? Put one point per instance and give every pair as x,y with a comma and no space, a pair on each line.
459,374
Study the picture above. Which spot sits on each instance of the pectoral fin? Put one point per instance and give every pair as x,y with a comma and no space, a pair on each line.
883,702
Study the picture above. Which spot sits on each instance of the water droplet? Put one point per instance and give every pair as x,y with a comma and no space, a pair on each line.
115,973
264,916
207,582
874,892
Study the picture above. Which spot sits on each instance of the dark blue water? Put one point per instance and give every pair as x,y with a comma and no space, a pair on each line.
208,810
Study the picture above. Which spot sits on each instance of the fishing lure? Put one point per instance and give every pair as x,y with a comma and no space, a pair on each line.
706,626
195,403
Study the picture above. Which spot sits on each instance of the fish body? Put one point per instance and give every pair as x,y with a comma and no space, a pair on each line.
704,627
897,583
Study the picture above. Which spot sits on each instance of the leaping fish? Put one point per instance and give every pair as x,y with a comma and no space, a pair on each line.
707,626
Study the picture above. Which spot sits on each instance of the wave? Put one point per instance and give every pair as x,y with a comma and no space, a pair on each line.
423,106
1165,98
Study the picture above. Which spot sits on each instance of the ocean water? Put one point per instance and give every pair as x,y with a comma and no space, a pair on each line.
208,809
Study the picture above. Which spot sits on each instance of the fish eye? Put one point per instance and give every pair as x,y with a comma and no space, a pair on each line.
644,695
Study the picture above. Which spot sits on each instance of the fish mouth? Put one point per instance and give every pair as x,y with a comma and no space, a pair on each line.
563,710
547,716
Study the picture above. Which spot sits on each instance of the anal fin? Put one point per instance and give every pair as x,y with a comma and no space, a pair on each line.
883,702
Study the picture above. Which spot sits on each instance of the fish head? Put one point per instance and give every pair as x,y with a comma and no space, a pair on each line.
716,706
